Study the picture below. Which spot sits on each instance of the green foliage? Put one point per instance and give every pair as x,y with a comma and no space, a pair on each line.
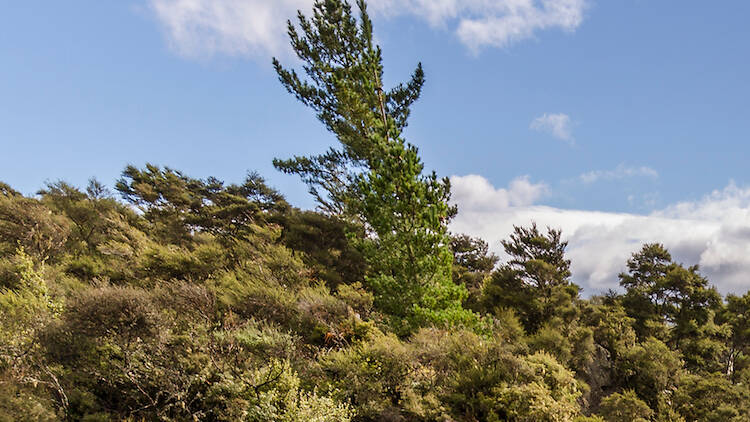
26,308
472,265
491,379
344,87
177,205
736,314
676,305
625,407
26,223
464,367
93,214
124,322
24,403
651,369
286,403
372,375
548,392
323,240
359,299
376,179
409,254
193,299
711,398
535,281
612,328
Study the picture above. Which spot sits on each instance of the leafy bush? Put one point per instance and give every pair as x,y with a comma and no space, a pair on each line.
625,407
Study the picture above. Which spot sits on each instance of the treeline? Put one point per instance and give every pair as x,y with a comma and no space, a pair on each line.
196,300
193,299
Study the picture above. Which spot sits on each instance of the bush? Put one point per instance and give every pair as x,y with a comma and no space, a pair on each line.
26,223
24,403
650,368
373,375
625,407
711,398
122,312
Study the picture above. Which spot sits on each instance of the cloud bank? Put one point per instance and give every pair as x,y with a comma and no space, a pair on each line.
713,232
257,27
555,124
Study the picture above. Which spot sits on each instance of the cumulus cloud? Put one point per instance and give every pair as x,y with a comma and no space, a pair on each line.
256,27
713,232
476,193
555,124
620,172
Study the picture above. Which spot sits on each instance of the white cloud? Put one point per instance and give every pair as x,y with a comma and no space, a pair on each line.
713,232
503,22
556,124
620,172
232,27
257,27
477,193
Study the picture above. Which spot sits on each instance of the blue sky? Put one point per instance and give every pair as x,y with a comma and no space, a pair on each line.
603,118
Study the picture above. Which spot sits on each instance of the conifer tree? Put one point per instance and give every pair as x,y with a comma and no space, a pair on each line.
344,87
376,178
535,282
676,305
409,254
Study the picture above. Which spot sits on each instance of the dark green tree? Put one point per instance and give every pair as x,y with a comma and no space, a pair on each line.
409,252
472,265
647,270
376,179
674,304
736,314
344,87
326,249
535,282
177,206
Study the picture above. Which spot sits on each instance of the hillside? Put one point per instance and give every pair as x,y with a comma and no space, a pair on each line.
169,297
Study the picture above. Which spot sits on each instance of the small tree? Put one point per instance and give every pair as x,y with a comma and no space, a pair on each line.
535,282
472,265
26,223
178,206
675,304
625,407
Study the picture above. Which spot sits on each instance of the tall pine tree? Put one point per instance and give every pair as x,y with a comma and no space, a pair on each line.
376,178
344,87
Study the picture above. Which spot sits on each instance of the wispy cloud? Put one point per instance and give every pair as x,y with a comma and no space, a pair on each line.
256,27
501,23
712,232
233,27
620,172
555,124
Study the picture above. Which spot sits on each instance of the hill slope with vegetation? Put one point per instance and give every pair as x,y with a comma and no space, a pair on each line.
175,298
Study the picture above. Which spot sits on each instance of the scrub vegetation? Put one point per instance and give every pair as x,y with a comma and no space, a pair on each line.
176,298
